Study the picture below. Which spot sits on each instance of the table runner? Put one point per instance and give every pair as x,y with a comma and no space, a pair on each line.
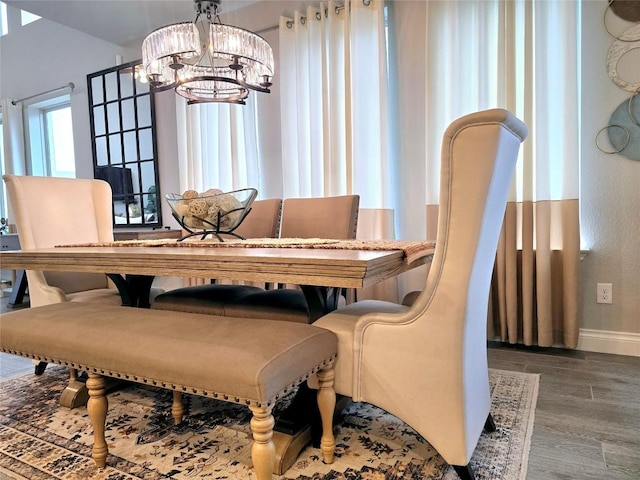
412,250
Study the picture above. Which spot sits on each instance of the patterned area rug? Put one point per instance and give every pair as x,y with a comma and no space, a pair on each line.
40,440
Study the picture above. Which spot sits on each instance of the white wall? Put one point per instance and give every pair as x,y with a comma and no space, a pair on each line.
44,55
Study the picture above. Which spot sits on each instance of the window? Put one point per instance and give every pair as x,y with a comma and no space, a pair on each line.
4,25
59,152
50,138
27,17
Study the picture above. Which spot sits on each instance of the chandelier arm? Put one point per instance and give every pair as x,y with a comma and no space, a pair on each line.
163,88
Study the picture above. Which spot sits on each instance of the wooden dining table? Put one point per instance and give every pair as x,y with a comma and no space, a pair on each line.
322,270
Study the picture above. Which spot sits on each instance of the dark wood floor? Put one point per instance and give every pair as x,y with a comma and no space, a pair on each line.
587,420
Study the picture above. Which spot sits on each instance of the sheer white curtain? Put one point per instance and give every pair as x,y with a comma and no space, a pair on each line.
333,80
217,146
334,112
521,55
13,156
13,138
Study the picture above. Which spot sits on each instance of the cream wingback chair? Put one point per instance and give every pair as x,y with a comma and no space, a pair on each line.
427,364
50,211
262,221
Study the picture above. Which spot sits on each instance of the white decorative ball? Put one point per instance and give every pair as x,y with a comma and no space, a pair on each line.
226,204
210,195
197,207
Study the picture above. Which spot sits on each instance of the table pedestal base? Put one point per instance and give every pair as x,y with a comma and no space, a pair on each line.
300,425
288,448
74,395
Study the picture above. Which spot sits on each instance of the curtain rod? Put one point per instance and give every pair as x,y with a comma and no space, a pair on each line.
69,85
339,8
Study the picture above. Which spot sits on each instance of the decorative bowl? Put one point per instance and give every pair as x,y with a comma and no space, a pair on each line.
211,212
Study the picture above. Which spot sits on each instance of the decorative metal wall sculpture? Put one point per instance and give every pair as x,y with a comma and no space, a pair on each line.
623,130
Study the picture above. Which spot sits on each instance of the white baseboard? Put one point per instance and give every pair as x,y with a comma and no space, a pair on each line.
603,341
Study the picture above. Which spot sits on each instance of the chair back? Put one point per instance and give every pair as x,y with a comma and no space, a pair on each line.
320,217
52,211
263,220
427,364
479,153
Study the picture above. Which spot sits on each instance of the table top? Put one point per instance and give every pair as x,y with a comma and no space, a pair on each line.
304,266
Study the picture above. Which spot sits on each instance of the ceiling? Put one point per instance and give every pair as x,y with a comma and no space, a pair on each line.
118,21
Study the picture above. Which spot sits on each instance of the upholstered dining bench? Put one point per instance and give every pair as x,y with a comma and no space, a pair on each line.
244,361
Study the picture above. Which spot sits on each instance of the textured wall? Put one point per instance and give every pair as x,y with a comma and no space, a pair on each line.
610,186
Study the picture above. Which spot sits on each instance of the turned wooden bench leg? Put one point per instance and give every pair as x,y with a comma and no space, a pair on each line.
97,406
177,408
263,451
327,405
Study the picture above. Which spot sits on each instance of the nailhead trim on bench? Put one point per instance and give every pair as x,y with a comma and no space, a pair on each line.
182,388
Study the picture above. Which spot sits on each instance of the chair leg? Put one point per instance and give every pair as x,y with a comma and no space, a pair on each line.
490,425
40,367
464,471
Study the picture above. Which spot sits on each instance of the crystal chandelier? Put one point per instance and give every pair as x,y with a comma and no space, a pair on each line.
222,68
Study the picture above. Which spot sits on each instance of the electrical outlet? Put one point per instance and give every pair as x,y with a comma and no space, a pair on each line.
604,293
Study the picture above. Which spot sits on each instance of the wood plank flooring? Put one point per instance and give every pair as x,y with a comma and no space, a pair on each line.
587,421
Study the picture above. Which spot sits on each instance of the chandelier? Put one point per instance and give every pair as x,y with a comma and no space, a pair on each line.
207,61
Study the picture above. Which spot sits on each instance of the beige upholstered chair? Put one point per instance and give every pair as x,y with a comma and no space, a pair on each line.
427,364
262,221
322,217
50,211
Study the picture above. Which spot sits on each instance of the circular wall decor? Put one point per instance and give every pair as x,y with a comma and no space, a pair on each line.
619,139
617,50
623,132
633,107
628,10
